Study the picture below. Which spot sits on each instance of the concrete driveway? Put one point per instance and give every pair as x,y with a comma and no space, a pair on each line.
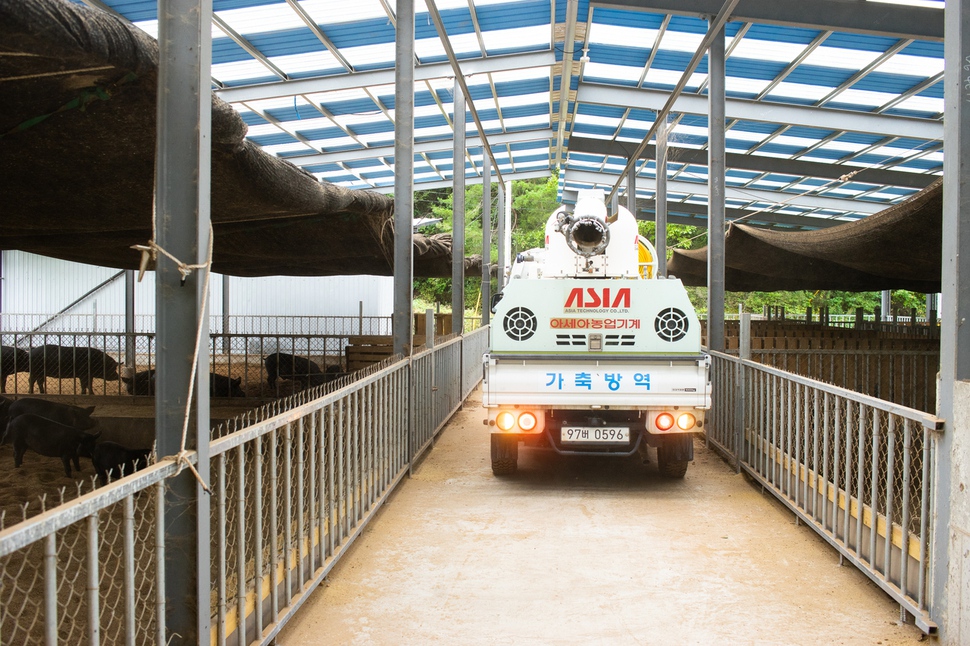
588,551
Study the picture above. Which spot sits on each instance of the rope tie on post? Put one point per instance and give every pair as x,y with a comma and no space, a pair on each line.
150,251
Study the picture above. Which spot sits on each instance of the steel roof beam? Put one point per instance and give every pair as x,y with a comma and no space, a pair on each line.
723,14
422,147
735,194
835,15
760,163
696,215
359,80
469,181
791,115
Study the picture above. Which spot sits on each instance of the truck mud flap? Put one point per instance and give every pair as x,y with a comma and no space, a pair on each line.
679,447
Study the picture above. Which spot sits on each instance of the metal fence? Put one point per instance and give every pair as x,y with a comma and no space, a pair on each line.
905,377
294,484
237,324
854,468
66,363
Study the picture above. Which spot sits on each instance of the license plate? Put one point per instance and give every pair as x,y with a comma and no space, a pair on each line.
595,435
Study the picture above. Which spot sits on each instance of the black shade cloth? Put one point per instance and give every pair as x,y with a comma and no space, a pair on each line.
77,155
898,248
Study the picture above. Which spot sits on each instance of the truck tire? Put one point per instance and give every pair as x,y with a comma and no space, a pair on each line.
505,455
670,468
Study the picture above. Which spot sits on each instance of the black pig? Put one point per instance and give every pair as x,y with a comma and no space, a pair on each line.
141,383
287,366
49,438
12,361
75,416
69,362
113,460
223,386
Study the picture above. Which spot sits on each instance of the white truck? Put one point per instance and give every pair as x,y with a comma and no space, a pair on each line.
590,352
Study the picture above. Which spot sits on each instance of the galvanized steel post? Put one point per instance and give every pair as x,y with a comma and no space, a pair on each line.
486,237
182,228
458,217
631,188
403,175
661,201
952,450
130,319
715,217
500,212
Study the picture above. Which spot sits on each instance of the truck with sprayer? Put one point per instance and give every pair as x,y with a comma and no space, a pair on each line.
590,352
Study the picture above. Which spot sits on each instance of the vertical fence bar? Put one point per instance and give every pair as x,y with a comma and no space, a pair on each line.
241,545
287,512
274,532
859,469
873,488
923,517
344,453
332,515
258,494
847,513
129,556
50,590
906,504
221,549
93,587
890,461
814,470
160,563
836,467
804,430
825,458
791,465
321,489
300,521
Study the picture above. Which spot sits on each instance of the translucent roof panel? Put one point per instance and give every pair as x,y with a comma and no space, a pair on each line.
314,79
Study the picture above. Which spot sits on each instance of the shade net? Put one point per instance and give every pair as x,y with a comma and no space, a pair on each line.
898,248
77,164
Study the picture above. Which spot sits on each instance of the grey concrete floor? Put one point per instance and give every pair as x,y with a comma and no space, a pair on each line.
588,551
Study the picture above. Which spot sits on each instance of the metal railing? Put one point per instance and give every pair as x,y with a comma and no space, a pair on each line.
854,468
292,487
238,323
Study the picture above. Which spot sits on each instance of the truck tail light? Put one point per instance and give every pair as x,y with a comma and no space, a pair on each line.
686,421
665,421
527,421
505,421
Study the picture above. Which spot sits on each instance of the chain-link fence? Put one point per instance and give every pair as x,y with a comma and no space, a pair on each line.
854,468
241,365
293,484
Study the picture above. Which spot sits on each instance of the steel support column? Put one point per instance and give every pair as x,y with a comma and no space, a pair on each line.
716,175
486,237
403,176
661,213
130,319
631,188
182,228
226,346
458,217
500,232
951,516
885,303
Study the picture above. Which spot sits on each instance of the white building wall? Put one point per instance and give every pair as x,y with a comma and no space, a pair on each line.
41,286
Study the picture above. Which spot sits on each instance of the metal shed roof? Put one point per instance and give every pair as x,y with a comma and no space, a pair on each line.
815,90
